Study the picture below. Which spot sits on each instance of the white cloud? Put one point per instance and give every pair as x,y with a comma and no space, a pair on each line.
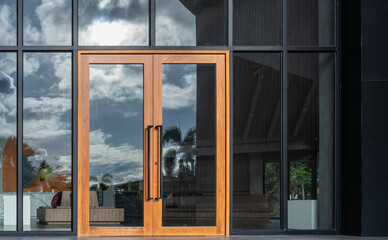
171,33
63,162
122,83
31,34
175,97
118,32
128,114
55,24
62,66
8,28
47,122
8,62
31,64
170,29
124,161
103,3
7,106
119,83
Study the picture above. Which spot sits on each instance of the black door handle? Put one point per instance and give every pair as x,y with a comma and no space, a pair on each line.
149,161
160,127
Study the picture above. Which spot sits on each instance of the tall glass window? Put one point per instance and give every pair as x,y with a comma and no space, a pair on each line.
47,141
256,141
8,142
311,140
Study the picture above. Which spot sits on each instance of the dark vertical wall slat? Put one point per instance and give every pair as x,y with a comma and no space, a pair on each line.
284,125
230,44
351,118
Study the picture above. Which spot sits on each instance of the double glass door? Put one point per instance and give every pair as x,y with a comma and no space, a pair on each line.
152,143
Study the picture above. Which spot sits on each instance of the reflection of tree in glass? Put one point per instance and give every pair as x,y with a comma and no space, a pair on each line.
103,182
183,151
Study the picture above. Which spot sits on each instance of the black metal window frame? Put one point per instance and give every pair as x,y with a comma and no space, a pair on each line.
282,49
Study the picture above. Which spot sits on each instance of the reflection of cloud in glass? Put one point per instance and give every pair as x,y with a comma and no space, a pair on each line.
113,22
8,22
118,83
175,24
179,86
47,22
116,121
47,107
124,161
175,97
7,95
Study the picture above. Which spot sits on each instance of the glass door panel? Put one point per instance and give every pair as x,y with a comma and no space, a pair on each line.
188,162
189,112
116,145
114,112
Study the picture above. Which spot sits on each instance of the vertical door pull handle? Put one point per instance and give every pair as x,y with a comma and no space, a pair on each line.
160,127
149,161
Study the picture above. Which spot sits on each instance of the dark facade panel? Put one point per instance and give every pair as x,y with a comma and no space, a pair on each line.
375,39
351,160
374,154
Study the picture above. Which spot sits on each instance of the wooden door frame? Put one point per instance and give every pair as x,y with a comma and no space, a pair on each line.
119,56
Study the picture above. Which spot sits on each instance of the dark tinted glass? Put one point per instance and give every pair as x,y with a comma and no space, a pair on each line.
189,157
47,124
8,22
8,157
310,22
190,23
311,140
256,22
256,138
113,22
47,22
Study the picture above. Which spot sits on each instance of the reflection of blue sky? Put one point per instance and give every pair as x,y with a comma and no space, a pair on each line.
47,107
116,121
8,22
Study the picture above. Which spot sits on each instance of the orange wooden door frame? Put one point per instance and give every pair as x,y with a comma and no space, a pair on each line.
152,62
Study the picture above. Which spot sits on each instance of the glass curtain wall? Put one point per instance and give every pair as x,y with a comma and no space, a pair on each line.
270,182
280,81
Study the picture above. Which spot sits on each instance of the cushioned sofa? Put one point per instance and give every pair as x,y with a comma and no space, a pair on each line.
61,214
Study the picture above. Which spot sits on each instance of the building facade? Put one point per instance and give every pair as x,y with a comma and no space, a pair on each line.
179,117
